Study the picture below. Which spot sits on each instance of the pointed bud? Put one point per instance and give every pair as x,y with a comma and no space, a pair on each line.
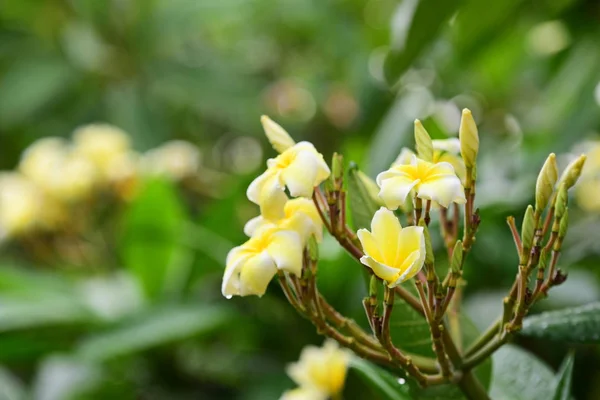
562,198
545,183
528,229
469,138
573,172
457,258
337,167
543,259
424,145
279,138
564,224
429,257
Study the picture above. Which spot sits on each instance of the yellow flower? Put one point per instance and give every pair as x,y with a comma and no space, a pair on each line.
303,393
21,204
395,254
176,159
278,137
299,168
587,191
251,266
444,150
322,370
437,182
301,216
101,144
51,165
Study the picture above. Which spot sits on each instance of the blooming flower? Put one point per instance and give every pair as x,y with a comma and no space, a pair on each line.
251,266
321,370
101,144
587,192
300,215
395,254
299,168
51,165
437,182
303,393
444,150
175,159
278,137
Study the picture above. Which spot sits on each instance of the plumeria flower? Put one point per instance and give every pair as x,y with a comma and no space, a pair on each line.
395,254
299,168
176,159
303,393
321,369
430,181
444,150
101,144
301,216
251,266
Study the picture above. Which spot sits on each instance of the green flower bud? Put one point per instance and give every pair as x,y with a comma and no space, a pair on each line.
573,172
457,258
562,198
528,229
564,224
469,138
545,183
337,170
424,145
313,248
429,257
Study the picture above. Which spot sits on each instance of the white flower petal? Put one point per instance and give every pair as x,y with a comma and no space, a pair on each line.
256,273
253,225
444,189
382,271
286,250
394,191
301,174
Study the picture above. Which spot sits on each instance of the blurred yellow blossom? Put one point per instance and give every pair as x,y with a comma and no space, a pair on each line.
301,216
251,266
21,204
101,144
175,159
278,137
303,393
320,370
437,182
587,191
395,254
299,168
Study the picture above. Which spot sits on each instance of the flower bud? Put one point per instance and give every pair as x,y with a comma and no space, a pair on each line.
564,224
313,248
278,137
457,258
337,170
528,229
573,171
562,197
469,138
424,145
429,257
545,183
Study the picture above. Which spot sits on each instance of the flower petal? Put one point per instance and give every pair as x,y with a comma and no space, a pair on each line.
301,174
394,190
411,266
256,273
272,199
369,244
385,228
286,250
442,185
410,239
231,277
382,271
253,225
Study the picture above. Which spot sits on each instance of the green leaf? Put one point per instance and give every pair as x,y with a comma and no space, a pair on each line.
518,375
362,193
574,325
427,20
157,327
384,383
564,378
151,240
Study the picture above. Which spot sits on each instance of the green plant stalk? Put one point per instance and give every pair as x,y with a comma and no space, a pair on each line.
472,388
492,331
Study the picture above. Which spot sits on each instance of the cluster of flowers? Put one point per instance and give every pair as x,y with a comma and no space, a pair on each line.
279,235
56,176
588,190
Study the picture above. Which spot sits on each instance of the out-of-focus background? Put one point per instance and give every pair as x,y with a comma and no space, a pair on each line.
110,282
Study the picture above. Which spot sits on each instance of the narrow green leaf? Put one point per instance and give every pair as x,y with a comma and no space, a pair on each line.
518,375
428,18
564,378
151,239
574,325
383,382
362,193
158,327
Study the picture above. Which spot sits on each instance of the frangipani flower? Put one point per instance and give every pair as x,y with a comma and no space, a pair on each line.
395,254
303,393
301,216
176,159
444,150
299,168
101,144
321,370
437,182
251,266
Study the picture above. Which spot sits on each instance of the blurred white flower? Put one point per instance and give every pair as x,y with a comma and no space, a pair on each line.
101,144
175,159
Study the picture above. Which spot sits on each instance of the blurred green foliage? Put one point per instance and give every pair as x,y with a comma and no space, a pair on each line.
150,322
